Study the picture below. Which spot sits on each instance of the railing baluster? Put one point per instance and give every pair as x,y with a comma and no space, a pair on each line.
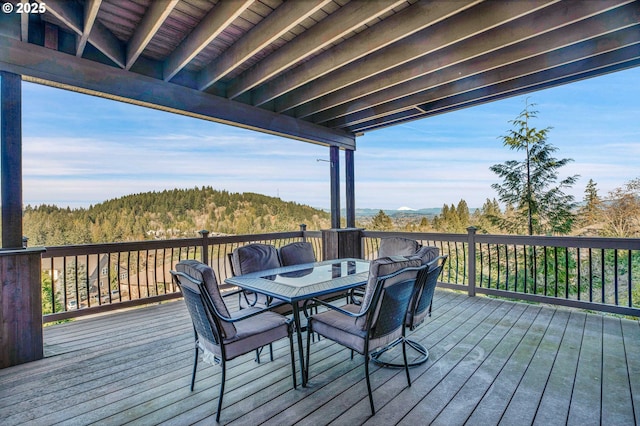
602,274
615,276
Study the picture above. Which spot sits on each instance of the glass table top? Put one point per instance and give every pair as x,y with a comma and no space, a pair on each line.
298,282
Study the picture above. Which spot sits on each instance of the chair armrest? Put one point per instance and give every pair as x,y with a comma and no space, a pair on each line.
330,306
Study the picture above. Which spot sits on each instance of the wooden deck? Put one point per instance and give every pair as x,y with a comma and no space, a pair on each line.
491,362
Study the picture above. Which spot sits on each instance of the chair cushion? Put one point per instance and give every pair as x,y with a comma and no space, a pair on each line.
397,246
426,254
344,330
252,333
201,272
297,253
255,257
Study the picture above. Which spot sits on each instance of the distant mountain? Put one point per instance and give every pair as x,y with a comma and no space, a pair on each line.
401,212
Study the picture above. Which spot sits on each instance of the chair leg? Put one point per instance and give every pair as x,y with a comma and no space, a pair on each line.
271,351
404,355
306,365
293,360
195,366
224,371
366,373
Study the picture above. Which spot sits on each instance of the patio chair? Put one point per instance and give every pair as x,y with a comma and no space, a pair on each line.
219,335
397,246
297,253
419,308
378,321
253,258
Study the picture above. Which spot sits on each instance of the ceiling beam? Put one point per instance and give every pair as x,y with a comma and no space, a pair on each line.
408,21
24,24
337,25
553,69
91,8
286,17
509,89
467,24
99,36
36,63
216,21
151,21
469,57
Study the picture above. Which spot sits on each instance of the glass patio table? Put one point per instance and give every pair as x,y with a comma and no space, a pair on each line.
297,283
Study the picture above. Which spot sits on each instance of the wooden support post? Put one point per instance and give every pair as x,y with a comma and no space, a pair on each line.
204,256
21,307
334,159
349,168
341,243
471,267
11,162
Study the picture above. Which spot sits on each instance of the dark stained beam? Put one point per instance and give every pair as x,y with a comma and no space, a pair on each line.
617,60
216,21
11,159
59,69
72,16
556,59
91,8
350,17
151,22
473,56
287,16
464,25
410,20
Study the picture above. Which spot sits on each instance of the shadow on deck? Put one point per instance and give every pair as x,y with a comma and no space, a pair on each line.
491,361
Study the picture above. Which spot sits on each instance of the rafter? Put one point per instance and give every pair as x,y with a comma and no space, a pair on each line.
90,12
460,27
470,57
46,66
219,18
283,19
350,17
412,19
542,69
151,22
99,35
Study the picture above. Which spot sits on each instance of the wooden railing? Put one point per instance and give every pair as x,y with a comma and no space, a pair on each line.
601,274
87,279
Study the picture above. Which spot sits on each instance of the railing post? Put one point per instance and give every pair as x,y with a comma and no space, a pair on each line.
205,246
303,229
471,259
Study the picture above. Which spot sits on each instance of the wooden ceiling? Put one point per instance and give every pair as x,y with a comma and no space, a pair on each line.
322,71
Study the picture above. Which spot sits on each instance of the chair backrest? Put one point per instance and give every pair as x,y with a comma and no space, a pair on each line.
425,287
397,246
255,257
297,253
426,254
383,273
201,273
204,324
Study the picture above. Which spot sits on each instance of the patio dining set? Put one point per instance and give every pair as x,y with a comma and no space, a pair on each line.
364,306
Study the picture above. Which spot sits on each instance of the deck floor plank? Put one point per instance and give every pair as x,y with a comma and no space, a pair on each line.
491,362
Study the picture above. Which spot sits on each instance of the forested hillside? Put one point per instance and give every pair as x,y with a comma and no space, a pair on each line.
168,214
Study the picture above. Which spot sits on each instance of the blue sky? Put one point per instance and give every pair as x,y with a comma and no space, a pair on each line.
80,150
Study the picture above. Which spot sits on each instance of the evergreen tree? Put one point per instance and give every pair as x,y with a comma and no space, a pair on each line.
381,222
528,184
590,213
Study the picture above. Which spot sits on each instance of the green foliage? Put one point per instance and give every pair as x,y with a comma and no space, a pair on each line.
168,214
381,222
527,184
47,296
